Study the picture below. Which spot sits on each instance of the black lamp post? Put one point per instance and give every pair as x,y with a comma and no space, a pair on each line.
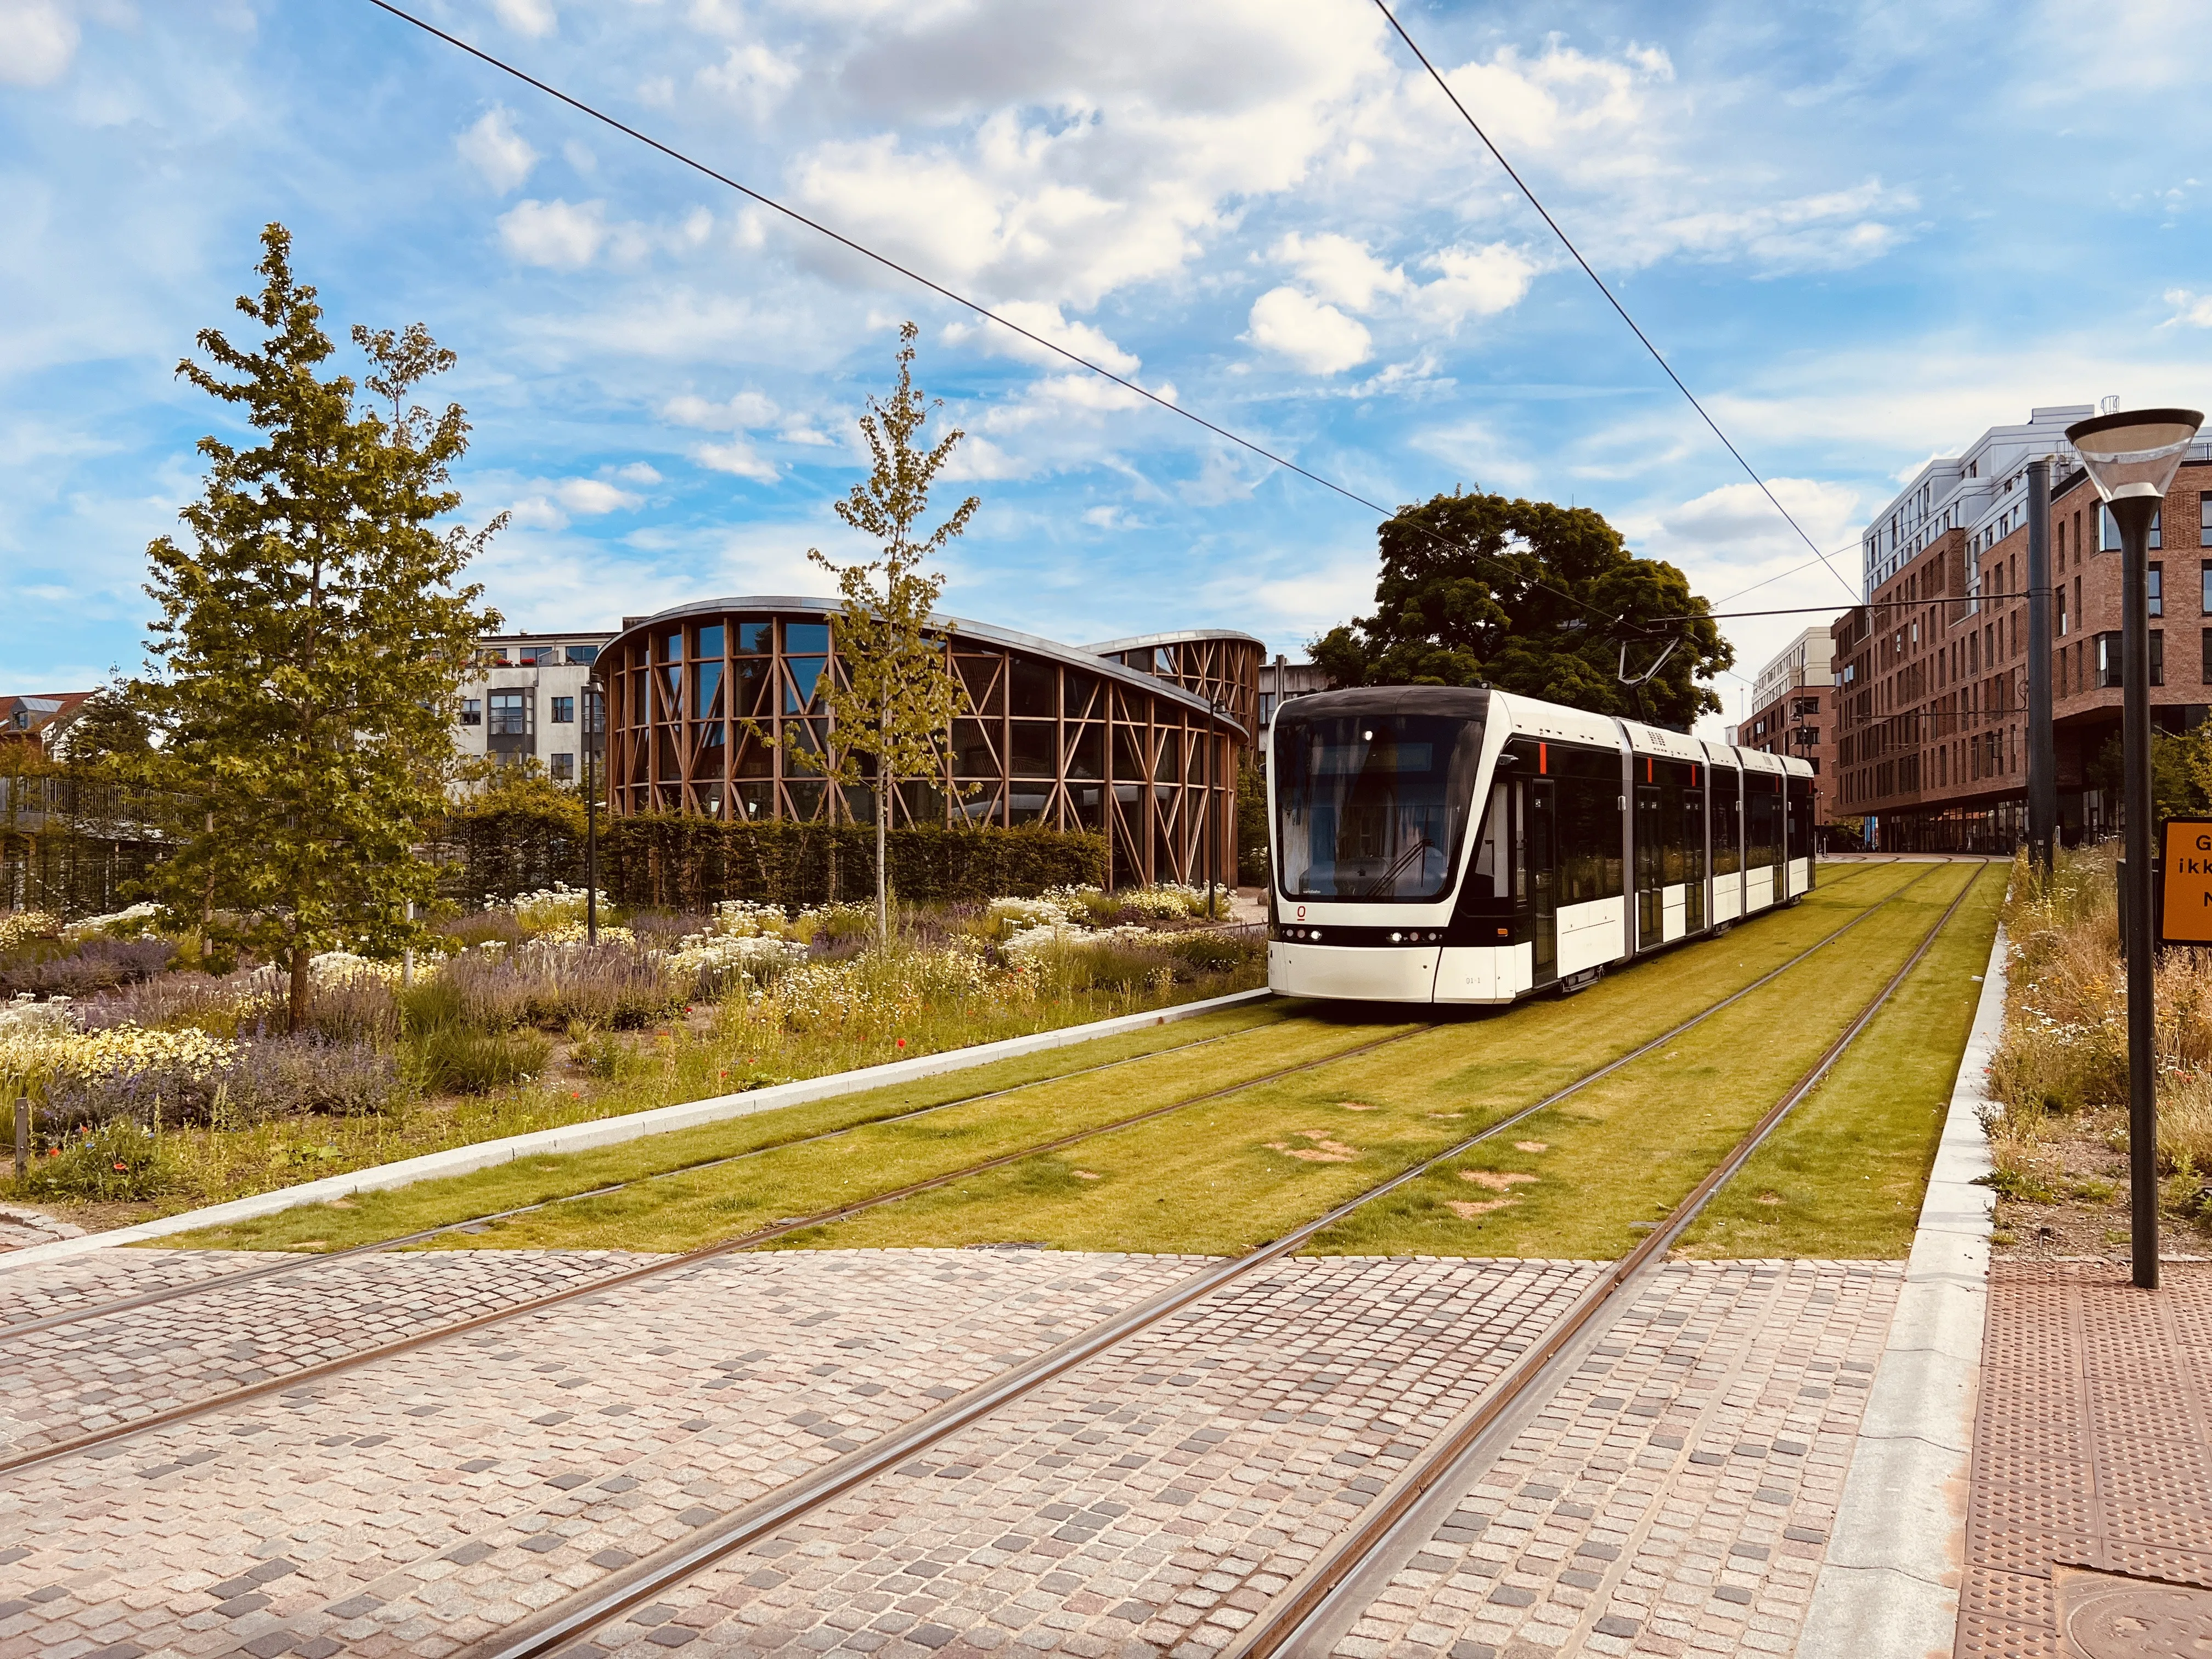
594,724
2131,457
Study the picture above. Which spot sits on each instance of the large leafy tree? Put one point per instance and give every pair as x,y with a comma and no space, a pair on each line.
1528,597
892,704
311,638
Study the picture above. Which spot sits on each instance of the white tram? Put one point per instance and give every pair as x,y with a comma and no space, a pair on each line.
1432,844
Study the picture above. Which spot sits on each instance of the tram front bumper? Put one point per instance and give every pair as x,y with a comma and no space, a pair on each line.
1362,973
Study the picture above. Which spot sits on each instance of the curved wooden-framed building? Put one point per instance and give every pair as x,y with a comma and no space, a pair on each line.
1056,735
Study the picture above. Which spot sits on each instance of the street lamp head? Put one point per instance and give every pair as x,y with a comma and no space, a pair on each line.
2135,453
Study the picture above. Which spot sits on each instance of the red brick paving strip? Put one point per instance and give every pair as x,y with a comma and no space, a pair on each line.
2092,1443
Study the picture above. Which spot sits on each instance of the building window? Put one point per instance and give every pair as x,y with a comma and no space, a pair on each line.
564,711
2156,529
2207,656
2157,586
564,768
2108,662
584,654
533,655
2158,656
1267,698
2204,519
2059,591
510,714
472,707
2108,529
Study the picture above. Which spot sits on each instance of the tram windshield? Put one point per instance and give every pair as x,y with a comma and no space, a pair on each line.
1372,807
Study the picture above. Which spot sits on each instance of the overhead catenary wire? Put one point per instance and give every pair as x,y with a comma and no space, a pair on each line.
974,306
1566,242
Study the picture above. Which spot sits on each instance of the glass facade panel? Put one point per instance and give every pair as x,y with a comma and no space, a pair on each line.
709,642
583,655
671,646
805,639
756,639
1087,751
1034,689
974,754
1036,749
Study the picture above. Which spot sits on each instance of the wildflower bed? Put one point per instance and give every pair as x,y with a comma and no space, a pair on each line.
182,1088
2057,1125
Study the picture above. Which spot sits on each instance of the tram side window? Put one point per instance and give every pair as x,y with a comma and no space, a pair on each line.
1762,827
1727,847
1589,824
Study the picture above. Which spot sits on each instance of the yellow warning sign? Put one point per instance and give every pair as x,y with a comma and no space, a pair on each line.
2186,917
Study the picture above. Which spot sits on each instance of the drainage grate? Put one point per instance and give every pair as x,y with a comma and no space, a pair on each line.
2092,1449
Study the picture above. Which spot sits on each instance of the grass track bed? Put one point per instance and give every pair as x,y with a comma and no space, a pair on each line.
1233,1172
1841,1177
1575,1181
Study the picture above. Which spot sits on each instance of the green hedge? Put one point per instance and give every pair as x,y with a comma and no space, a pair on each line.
675,861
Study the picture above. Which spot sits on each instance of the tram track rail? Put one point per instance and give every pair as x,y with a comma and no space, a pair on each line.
95,1441
561,1628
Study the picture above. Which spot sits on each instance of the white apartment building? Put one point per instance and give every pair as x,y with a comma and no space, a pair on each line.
1983,490
1806,660
526,697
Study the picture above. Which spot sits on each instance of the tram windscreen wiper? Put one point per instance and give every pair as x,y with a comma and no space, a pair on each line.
1388,879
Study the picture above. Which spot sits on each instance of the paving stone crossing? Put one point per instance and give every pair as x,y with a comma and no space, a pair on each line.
1671,1499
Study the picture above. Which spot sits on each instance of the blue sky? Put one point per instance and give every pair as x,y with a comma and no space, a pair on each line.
1861,231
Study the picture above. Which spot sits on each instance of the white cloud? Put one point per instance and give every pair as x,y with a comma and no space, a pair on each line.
1047,323
38,39
739,457
534,18
1318,338
638,472
1340,268
591,496
549,506
2190,309
497,151
1477,281
751,77
554,232
746,411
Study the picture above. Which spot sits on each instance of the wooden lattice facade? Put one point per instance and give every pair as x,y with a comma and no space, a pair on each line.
705,701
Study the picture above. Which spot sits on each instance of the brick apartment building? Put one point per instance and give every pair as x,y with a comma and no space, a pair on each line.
1793,712
1931,675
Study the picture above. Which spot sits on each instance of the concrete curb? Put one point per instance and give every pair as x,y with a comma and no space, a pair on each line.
1890,1587
612,1130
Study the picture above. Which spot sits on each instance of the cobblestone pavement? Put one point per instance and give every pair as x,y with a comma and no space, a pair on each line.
2093,1448
1676,1497
97,1373
441,1493
33,1292
1673,1498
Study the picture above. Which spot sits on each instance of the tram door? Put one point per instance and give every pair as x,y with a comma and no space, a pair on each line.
1693,853
1544,876
1650,868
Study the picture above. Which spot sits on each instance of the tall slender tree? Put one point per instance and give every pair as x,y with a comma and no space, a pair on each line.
311,638
895,698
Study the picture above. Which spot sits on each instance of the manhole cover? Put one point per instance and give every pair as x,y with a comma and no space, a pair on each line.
2107,1618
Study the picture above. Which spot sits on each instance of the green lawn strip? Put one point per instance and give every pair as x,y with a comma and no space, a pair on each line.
697,1207
1842,1177
373,1215
1620,1011
1573,1180
1224,1175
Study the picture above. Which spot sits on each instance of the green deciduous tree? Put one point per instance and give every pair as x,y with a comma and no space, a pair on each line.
895,698
1482,590
311,638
